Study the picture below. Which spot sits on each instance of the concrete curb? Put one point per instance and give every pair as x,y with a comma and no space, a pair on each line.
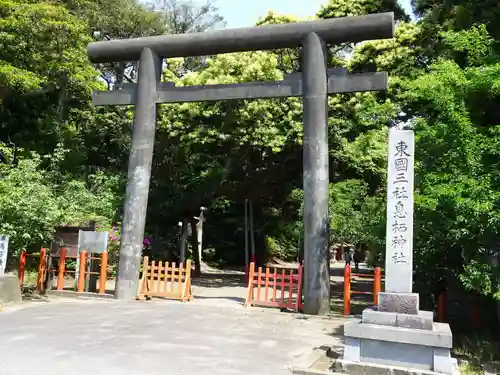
308,371
357,368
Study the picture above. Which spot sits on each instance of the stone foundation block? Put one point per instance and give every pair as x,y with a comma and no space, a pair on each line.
10,289
402,303
439,337
423,320
352,349
382,318
418,349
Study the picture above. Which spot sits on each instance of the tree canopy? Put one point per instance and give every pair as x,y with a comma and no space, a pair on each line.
63,162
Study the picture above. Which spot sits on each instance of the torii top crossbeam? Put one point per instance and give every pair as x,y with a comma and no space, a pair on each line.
266,37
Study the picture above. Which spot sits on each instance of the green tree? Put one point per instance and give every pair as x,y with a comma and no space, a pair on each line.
346,8
34,199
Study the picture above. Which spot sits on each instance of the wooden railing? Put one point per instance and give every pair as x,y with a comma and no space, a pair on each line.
276,287
165,280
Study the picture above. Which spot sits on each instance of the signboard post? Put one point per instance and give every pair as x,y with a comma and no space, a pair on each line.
4,248
93,243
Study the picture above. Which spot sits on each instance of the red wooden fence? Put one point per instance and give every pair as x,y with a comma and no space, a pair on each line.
276,287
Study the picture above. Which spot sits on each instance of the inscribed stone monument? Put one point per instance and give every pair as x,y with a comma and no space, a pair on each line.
395,337
399,238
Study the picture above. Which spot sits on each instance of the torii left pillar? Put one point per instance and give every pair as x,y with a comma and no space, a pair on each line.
139,174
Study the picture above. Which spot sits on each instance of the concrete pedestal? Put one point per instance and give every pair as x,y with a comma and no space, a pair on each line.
397,338
10,290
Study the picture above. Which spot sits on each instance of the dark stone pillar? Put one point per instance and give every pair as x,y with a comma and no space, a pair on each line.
139,173
316,177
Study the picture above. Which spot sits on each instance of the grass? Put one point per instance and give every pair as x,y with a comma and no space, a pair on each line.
30,278
358,304
469,369
477,352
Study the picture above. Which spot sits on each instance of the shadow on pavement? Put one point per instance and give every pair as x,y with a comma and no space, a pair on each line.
219,280
358,284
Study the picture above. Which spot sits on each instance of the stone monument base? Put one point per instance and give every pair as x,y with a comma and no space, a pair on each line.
397,338
10,290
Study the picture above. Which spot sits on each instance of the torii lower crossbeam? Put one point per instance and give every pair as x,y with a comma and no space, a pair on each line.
166,92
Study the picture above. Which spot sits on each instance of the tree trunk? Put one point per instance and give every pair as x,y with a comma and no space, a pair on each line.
195,245
301,252
247,256
252,233
183,242
199,228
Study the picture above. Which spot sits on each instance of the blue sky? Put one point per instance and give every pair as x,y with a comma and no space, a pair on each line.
246,13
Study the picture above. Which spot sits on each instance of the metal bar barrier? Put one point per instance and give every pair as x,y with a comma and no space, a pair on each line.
43,272
62,267
103,278
22,266
81,271
377,286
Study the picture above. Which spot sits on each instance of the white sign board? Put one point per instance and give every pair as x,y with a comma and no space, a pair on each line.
399,235
92,242
4,248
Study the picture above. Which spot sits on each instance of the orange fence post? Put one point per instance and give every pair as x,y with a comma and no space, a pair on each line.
104,273
251,274
41,271
347,290
377,284
22,266
81,272
62,268
441,307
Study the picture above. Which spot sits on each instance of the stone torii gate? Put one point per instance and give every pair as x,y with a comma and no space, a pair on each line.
314,83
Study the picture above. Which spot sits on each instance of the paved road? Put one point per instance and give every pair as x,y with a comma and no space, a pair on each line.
156,337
